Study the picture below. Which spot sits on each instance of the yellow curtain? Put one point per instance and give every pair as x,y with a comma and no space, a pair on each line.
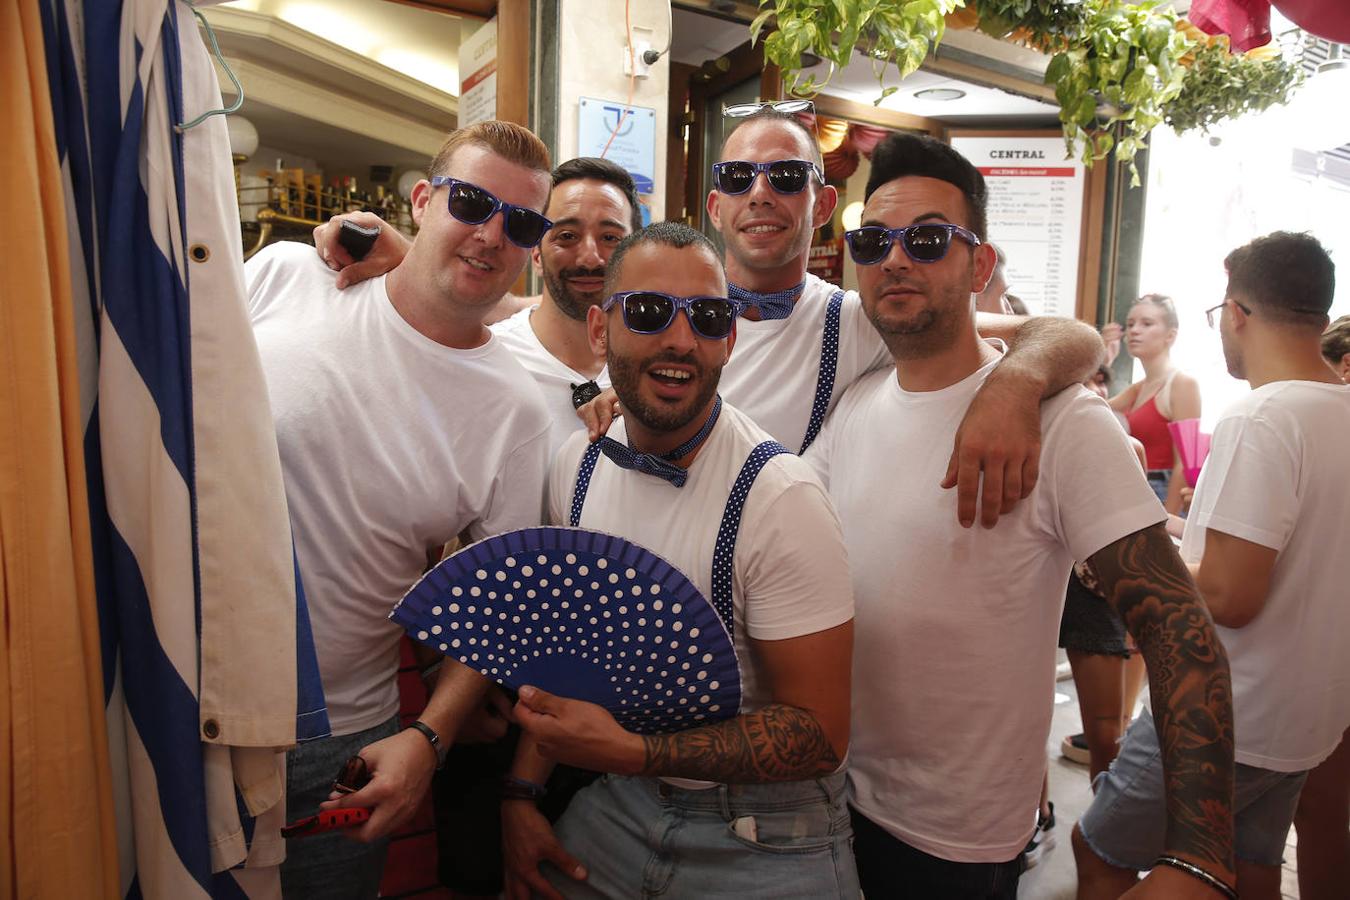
57,835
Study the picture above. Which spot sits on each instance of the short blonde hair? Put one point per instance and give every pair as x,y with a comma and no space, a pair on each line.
511,142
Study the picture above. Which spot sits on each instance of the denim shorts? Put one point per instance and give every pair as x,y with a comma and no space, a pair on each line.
640,837
328,865
1126,821
1160,480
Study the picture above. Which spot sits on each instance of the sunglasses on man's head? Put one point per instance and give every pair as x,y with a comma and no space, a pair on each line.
925,243
473,206
790,107
652,312
786,176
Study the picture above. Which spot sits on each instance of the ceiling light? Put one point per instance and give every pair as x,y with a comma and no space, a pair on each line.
852,215
939,94
243,137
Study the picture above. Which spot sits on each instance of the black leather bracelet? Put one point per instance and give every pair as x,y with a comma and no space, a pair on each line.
1197,872
432,738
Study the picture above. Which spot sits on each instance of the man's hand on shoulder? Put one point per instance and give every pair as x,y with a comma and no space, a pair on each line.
389,249
600,413
999,438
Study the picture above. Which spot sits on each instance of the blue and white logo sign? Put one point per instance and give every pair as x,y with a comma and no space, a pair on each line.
628,131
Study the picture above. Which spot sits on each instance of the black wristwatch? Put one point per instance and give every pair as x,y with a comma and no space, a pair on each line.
584,393
434,739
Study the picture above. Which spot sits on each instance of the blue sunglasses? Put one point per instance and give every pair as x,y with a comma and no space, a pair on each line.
473,206
786,176
924,243
652,312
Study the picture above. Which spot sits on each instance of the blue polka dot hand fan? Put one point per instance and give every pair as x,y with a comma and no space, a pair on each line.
584,615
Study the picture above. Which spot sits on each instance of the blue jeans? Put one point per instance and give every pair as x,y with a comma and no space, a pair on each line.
1160,480
891,869
1128,816
639,837
328,865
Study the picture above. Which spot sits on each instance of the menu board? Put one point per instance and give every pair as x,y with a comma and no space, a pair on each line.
478,75
1035,215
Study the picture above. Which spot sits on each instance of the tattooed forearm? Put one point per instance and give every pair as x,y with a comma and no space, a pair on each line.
777,743
1148,584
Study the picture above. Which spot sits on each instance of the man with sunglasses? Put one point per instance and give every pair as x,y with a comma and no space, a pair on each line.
1268,509
593,205
955,660
401,423
803,341
751,805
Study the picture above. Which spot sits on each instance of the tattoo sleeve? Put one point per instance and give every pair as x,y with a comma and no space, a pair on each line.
1145,580
777,743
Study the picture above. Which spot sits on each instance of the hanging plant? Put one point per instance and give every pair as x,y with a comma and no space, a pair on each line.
1129,57
1119,68
1222,85
894,33
1047,25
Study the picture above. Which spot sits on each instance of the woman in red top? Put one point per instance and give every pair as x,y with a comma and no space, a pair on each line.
1166,394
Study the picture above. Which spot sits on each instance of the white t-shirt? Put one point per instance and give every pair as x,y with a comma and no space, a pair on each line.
772,373
954,654
391,444
1276,476
555,379
790,573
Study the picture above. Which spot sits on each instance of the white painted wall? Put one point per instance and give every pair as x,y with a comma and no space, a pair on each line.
592,47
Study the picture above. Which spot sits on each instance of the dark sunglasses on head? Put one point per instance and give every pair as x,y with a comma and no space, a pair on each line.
473,206
652,312
923,243
786,176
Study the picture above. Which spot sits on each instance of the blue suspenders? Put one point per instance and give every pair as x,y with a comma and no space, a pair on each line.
725,548
829,362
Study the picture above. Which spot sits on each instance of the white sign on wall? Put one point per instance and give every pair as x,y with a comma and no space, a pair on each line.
478,75
1035,215
629,133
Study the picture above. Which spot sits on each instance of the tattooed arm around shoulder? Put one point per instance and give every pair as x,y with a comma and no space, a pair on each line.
802,733
1147,583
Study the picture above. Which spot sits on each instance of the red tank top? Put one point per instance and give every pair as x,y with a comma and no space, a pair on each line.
1149,426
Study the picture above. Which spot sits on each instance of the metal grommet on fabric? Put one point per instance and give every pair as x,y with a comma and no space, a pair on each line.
199,253
211,729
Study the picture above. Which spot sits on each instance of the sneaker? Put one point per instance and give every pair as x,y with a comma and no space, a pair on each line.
1043,840
1075,749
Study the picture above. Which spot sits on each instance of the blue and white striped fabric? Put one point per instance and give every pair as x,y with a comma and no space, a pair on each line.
209,667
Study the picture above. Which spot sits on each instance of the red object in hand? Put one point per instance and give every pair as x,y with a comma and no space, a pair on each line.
327,820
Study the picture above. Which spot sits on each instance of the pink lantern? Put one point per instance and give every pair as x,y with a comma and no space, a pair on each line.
1328,19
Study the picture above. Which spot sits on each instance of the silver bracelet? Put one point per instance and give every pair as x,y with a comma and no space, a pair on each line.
1194,870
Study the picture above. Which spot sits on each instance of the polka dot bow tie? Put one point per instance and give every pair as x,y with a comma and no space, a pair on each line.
777,305
662,465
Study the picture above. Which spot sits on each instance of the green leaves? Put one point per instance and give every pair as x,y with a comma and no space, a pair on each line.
1220,85
1132,64
1117,67
892,33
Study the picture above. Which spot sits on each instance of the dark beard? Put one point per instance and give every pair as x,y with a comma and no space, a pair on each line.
625,374
572,306
928,333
